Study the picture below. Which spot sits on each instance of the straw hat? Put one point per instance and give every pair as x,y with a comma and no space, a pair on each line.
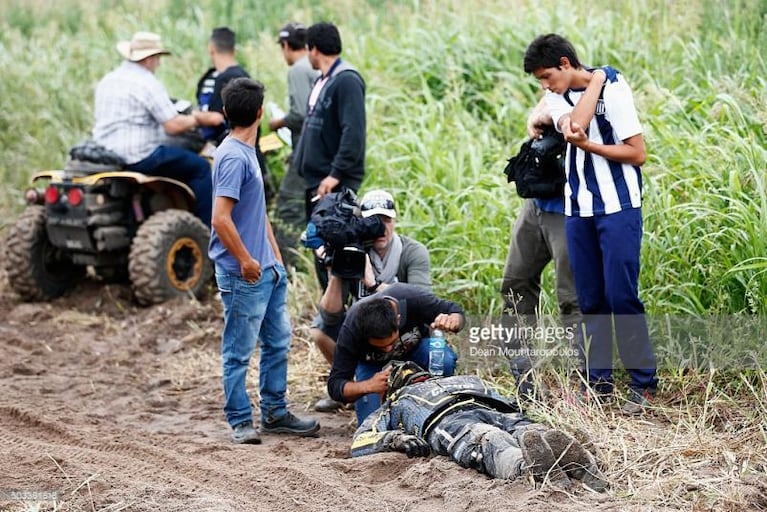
141,46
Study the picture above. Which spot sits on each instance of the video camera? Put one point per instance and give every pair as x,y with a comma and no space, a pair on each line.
337,225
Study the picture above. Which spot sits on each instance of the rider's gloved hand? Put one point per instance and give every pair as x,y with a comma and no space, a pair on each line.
412,446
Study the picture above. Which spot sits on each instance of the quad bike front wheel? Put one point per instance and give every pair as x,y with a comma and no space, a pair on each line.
36,269
169,257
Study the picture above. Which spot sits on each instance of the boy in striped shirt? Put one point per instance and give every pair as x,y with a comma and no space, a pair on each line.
594,110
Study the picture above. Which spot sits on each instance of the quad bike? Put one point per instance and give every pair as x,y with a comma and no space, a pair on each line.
122,224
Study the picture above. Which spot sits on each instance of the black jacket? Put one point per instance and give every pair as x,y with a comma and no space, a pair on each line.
332,140
417,309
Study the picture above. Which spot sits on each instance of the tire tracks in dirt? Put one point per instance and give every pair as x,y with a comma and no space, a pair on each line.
157,462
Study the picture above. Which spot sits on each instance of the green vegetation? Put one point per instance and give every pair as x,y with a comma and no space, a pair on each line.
446,102
447,99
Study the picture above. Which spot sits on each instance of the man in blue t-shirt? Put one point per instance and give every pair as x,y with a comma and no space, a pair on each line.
250,276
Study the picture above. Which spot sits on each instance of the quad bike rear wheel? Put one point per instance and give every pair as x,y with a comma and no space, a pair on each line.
36,269
169,257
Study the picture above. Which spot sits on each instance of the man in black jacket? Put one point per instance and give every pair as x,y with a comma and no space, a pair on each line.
331,151
463,418
393,324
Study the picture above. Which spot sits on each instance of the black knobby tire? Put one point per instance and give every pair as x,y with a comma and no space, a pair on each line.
169,257
36,269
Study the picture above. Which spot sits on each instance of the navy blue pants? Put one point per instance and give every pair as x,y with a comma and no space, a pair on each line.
185,166
604,256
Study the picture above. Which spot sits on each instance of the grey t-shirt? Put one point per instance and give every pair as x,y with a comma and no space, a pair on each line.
301,77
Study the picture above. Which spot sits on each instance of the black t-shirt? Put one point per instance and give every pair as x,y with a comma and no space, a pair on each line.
417,309
209,96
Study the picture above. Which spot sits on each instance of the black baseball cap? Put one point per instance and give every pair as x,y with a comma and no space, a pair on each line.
294,33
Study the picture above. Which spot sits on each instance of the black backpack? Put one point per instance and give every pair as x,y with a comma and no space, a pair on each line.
539,168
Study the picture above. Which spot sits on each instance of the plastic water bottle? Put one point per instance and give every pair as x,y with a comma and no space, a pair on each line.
437,353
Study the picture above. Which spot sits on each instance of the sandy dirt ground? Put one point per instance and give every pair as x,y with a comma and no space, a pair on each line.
106,406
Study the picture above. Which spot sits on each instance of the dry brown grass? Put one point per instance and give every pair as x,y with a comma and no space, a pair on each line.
706,452
703,446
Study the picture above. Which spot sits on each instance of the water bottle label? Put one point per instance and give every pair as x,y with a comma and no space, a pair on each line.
437,343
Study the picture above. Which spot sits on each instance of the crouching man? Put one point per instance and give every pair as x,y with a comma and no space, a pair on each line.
389,325
461,417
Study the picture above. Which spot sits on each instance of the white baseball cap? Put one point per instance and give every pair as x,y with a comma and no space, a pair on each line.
378,202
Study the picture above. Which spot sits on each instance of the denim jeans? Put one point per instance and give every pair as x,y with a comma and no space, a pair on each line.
187,167
253,311
420,356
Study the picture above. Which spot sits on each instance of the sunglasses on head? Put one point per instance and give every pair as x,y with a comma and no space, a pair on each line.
386,204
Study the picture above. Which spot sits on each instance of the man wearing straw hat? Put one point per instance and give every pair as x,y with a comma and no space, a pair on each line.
135,116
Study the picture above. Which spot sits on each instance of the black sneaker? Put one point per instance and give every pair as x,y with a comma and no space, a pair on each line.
244,433
290,424
327,404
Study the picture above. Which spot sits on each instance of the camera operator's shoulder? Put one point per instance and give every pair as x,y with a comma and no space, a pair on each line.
411,244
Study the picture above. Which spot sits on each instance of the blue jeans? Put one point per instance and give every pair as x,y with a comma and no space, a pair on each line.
185,166
253,311
420,356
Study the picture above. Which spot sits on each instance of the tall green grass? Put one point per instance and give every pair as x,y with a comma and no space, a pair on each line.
447,99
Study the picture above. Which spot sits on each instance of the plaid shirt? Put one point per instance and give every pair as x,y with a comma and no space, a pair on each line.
131,107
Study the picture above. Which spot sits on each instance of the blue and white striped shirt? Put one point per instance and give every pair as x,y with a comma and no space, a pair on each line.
596,185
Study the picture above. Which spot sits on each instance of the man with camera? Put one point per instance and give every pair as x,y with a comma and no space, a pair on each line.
391,258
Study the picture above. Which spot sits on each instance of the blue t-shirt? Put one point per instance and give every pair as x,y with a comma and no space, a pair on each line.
236,175
551,205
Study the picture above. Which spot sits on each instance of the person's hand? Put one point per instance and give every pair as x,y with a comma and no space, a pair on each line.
369,277
412,446
378,383
575,134
539,119
536,123
535,131
251,270
195,120
327,185
320,253
276,124
448,322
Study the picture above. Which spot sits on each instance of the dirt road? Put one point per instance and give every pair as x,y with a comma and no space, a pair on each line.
106,406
